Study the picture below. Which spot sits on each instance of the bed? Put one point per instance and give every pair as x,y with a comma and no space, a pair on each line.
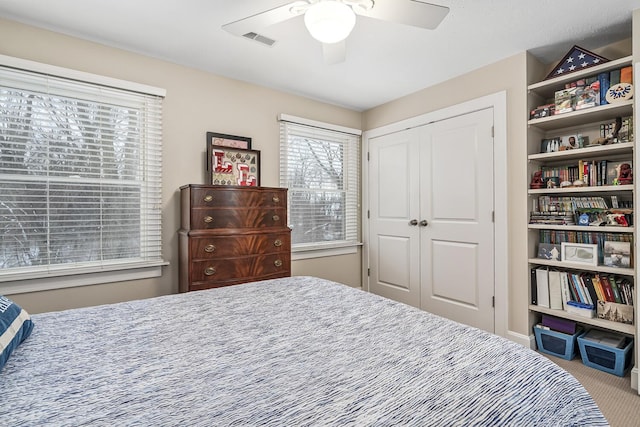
297,351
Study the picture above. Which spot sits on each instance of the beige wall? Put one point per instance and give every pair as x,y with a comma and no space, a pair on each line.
196,102
510,75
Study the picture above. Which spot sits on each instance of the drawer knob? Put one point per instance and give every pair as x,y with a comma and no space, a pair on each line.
277,243
277,263
276,218
209,271
210,248
208,198
275,199
208,219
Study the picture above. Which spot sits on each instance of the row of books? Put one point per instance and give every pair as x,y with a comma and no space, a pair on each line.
592,173
557,289
568,204
552,218
559,236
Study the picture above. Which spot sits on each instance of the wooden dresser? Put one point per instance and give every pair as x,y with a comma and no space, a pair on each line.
232,235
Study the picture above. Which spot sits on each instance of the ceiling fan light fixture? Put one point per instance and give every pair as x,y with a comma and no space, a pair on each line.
329,21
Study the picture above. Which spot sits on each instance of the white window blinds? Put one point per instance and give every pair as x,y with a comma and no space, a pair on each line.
320,167
80,176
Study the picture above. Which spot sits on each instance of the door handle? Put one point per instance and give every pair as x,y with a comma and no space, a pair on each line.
423,223
413,222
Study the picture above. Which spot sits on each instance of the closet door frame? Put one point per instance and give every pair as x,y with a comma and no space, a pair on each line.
497,101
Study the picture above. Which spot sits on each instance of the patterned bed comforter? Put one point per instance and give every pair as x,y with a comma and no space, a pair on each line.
299,351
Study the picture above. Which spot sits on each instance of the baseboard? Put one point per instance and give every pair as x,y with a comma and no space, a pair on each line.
634,379
528,341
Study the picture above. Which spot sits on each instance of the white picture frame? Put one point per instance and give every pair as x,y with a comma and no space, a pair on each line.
579,253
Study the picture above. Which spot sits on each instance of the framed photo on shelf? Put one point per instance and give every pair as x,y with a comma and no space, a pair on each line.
232,141
581,253
617,254
550,251
233,166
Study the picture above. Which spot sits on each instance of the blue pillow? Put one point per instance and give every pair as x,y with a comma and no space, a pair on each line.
15,327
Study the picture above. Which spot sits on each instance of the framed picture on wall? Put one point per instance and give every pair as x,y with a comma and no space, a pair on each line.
233,166
232,141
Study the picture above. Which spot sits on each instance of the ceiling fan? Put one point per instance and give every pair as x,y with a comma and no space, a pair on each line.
331,21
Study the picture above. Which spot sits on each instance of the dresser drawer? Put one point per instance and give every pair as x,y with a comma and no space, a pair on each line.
239,245
213,218
225,269
238,197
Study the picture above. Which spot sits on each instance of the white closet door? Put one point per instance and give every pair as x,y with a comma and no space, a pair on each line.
394,243
456,200
431,232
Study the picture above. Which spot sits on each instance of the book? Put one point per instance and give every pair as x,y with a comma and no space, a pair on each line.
610,282
534,288
542,290
626,75
564,287
555,291
608,292
603,78
595,280
581,297
591,292
614,77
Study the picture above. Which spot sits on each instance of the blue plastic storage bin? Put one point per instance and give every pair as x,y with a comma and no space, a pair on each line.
556,343
606,358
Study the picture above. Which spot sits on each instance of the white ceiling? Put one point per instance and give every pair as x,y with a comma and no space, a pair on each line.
384,60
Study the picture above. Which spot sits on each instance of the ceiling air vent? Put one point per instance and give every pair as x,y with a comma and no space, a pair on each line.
261,39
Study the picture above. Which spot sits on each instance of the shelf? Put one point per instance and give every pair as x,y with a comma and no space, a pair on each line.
620,148
586,189
600,323
581,117
583,267
546,88
596,229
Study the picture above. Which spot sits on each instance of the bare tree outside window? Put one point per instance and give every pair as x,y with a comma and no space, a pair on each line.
315,169
72,184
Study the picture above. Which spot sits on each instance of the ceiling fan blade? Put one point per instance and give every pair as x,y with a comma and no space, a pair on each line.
257,22
334,53
408,12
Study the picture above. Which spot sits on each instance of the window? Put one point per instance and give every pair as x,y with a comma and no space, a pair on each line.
319,164
80,174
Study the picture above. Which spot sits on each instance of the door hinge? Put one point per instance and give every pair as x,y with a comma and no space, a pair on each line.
493,132
368,272
493,302
368,214
493,216
368,157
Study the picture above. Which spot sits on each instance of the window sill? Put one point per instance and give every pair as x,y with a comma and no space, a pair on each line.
300,254
69,280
